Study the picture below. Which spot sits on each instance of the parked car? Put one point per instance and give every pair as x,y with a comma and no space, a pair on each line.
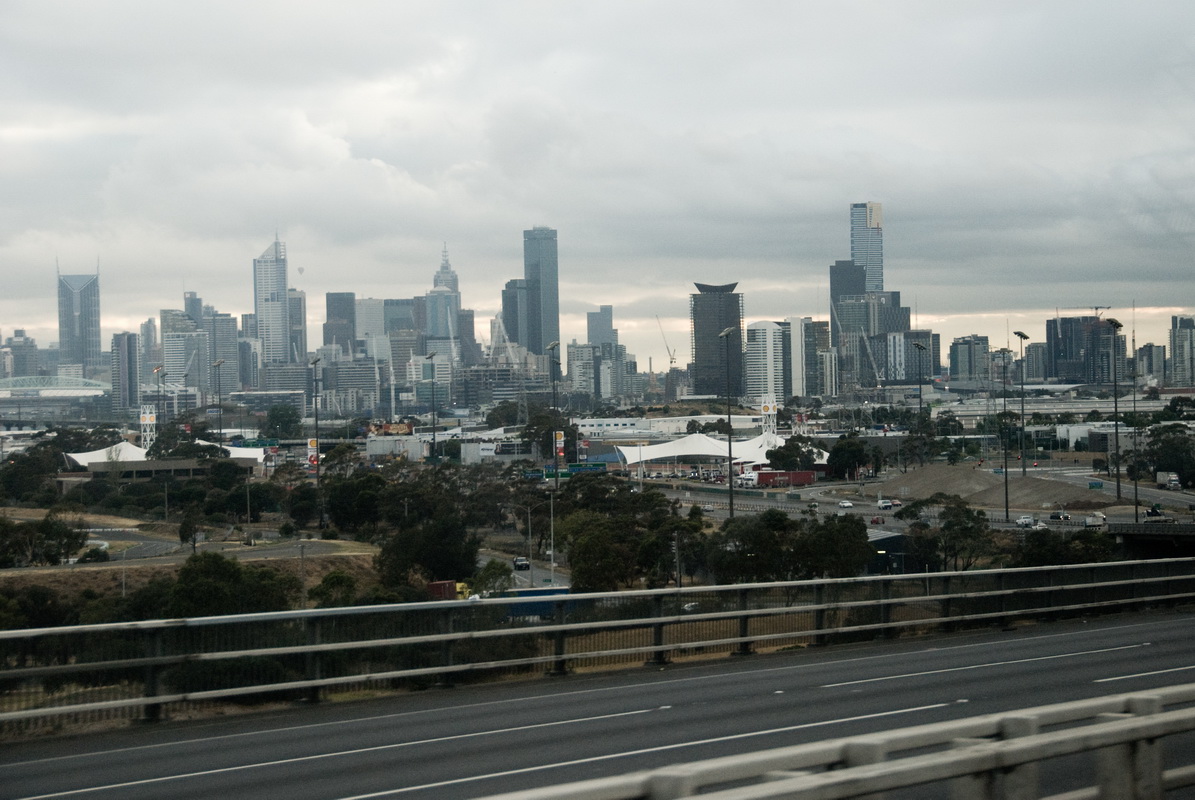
845,504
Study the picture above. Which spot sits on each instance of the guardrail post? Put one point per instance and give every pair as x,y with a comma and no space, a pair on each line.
658,657
947,610
819,615
744,648
1001,586
888,632
559,666
444,682
311,659
153,649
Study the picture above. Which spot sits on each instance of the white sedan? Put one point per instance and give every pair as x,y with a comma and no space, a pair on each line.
845,504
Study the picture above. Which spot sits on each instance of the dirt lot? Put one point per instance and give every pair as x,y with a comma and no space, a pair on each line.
983,489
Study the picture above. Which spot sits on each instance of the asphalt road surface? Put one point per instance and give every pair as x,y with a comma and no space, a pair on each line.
477,740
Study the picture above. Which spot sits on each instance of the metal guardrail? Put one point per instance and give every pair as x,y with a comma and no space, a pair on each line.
992,757
54,676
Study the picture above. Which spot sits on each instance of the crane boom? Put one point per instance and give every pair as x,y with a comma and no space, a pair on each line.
671,353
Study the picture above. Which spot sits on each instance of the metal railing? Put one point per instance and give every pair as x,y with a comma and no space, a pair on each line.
992,757
50,677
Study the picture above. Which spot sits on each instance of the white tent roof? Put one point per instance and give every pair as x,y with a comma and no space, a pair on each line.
121,451
748,451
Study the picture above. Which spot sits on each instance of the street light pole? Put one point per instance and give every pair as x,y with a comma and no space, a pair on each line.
160,371
551,348
219,402
1022,336
920,376
319,497
1116,326
725,336
435,419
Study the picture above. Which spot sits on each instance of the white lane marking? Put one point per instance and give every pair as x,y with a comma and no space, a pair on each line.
273,732
644,751
336,754
1143,674
982,666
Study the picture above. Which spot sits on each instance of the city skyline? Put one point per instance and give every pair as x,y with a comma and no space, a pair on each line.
1020,172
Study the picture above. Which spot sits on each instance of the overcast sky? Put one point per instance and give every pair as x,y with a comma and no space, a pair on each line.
1031,157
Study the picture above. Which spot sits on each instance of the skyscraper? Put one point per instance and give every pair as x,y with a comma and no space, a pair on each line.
541,273
296,312
712,310
768,360
847,279
600,326
270,306
79,321
341,320
867,242
1182,351
126,372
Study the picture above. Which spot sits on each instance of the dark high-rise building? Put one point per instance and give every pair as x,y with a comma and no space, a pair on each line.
126,372
79,321
514,310
193,306
867,242
341,320
296,311
541,273
600,326
1067,340
717,360
847,279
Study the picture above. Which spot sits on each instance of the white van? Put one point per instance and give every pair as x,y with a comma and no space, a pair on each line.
884,505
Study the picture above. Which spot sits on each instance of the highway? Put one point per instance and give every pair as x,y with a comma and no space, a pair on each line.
477,740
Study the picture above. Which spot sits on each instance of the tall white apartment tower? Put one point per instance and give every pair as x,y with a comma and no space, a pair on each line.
270,304
867,243
765,360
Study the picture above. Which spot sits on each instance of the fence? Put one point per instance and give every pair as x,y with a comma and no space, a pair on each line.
993,757
52,677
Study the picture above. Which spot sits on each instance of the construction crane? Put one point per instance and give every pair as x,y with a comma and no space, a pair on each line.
671,353
1095,309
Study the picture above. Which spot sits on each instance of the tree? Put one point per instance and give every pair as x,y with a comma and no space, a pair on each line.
834,547
282,422
946,533
209,584
797,453
188,530
440,548
494,578
337,589
847,455
601,560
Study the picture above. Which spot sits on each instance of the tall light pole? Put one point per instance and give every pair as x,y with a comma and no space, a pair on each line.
1116,326
219,402
920,375
1023,337
435,420
160,371
552,348
1136,425
319,497
725,335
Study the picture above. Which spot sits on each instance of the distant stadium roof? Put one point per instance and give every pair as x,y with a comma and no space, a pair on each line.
51,386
